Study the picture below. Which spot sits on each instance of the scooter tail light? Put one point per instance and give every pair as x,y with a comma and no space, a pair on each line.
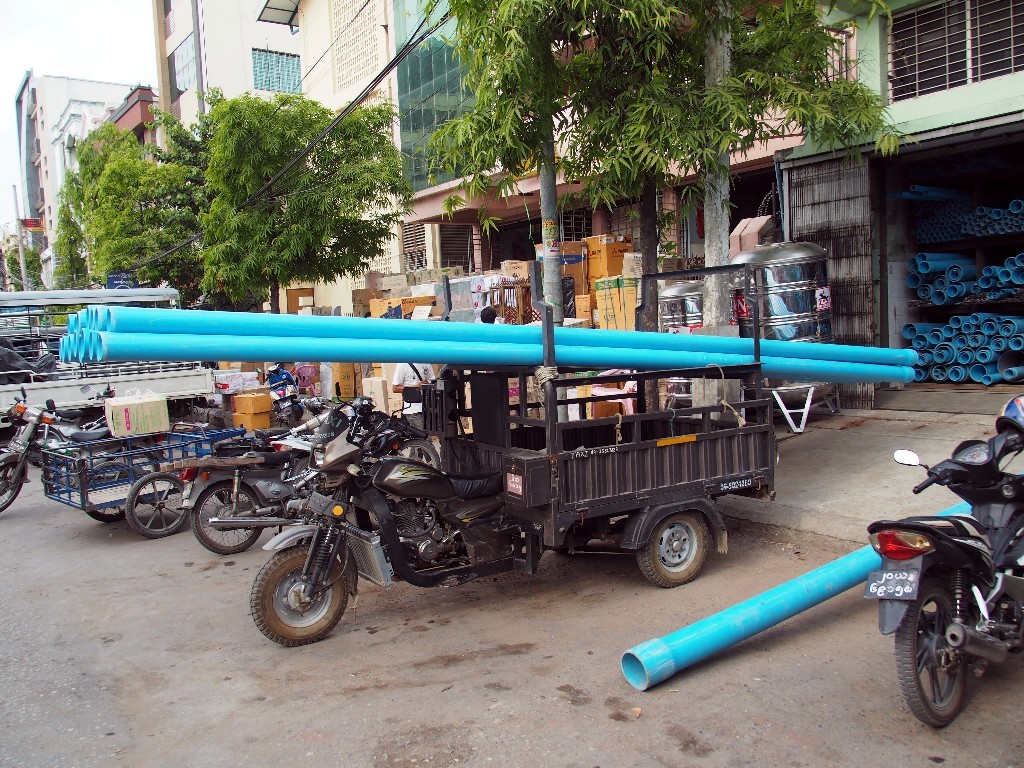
188,474
901,545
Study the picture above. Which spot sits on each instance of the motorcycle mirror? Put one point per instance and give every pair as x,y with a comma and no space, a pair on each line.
24,394
51,405
906,458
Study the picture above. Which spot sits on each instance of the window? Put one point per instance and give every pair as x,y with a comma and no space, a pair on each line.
272,71
949,44
182,65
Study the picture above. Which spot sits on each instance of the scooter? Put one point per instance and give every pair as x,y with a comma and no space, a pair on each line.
951,588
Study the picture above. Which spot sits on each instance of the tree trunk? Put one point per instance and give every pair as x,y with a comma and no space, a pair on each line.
549,230
275,298
649,260
717,299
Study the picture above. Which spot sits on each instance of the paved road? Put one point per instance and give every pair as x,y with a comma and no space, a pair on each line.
124,652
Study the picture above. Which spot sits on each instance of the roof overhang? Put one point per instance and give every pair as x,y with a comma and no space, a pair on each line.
280,12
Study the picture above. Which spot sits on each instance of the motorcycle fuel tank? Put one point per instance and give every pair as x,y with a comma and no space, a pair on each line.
402,477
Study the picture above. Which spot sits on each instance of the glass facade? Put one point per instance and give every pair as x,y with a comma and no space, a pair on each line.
182,66
278,72
430,90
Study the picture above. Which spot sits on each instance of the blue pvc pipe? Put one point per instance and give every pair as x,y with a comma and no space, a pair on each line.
926,359
1013,375
939,373
957,374
965,356
655,661
978,372
1016,206
921,342
998,344
958,272
934,337
985,355
920,374
937,257
1015,343
113,347
944,353
158,321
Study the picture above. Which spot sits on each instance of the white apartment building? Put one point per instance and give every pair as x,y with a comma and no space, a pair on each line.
204,44
53,114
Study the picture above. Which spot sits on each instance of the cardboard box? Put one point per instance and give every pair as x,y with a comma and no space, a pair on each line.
255,402
230,383
389,308
251,421
375,389
609,303
369,281
577,322
409,303
520,270
605,254
306,301
343,381
629,291
392,282
364,295
632,264
136,414
243,367
585,305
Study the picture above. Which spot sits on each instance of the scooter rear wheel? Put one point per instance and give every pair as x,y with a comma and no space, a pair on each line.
932,675
277,603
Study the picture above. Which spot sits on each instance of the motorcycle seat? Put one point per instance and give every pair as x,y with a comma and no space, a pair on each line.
475,485
88,435
273,458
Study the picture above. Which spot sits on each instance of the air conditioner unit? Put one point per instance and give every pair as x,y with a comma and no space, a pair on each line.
71,142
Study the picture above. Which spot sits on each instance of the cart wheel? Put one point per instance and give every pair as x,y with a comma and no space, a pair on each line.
153,507
105,515
676,551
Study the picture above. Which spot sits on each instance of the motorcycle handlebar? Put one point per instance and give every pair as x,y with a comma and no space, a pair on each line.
929,481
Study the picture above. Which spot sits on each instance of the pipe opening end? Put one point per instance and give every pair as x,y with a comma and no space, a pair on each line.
635,671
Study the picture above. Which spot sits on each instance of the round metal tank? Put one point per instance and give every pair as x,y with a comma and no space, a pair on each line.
796,304
681,305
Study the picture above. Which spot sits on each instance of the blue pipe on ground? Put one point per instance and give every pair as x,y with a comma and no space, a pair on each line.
655,661
105,346
957,374
158,321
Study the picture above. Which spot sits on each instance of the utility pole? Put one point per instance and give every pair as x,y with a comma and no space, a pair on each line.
552,241
21,246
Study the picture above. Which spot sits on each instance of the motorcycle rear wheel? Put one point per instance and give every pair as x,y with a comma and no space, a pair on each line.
10,482
274,612
210,503
153,507
932,675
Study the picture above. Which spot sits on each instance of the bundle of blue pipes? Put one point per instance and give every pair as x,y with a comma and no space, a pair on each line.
118,334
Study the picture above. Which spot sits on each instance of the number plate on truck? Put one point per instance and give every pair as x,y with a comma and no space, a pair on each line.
892,585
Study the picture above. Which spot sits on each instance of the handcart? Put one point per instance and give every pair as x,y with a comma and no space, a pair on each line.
97,476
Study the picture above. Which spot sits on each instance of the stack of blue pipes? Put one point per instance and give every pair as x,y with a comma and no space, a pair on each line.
112,334
943,215
982,348
947,278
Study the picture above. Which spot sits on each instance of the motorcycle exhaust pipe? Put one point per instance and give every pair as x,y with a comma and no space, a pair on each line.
973,642
238,523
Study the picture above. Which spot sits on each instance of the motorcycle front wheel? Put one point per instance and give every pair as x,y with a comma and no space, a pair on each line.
10,480
281,611
932,675
215,501
420,450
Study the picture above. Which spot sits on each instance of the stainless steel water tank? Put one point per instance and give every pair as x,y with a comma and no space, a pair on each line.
796,303
681,305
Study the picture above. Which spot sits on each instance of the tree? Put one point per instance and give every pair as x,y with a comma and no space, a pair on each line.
326,218
124,209
698,81
33,267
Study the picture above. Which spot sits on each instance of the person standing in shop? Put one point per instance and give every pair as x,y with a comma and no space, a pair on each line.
407,381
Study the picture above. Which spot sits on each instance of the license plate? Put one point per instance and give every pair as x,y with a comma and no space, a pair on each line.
16,446
893,585
185,493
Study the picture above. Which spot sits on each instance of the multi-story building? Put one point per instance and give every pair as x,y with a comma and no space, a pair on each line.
204,44
952,77
53,114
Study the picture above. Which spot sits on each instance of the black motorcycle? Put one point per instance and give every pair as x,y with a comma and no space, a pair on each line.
398,518
951,587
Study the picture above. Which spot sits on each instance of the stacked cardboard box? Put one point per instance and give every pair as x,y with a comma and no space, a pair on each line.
252,411
399,308
617,300
605,255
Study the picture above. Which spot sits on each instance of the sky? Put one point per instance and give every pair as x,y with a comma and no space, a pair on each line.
109,40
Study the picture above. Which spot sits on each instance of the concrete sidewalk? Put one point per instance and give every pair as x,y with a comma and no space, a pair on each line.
838,475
